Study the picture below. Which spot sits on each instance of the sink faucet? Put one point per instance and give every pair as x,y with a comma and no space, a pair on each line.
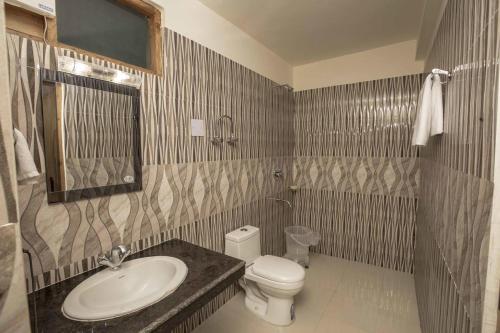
118,254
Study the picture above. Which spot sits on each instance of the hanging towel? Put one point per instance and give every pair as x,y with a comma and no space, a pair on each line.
422,128
437,106
26,168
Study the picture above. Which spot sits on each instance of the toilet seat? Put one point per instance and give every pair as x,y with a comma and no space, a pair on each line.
278,269
276,272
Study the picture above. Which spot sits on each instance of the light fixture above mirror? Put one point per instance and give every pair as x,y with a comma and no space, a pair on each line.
83,68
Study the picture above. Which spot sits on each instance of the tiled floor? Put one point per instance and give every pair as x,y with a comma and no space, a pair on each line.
339,296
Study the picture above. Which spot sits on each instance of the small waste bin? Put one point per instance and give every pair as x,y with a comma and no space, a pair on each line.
298,240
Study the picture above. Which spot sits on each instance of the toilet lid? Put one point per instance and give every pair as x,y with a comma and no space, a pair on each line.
278,269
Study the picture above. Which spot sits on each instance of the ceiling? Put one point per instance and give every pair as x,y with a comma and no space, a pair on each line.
304,31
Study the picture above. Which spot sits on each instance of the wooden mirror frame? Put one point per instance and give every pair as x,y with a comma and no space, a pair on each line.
51,105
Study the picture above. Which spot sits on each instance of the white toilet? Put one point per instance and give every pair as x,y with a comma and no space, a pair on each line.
270,282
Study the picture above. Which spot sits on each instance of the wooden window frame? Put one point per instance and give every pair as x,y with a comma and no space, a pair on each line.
23,22
30,24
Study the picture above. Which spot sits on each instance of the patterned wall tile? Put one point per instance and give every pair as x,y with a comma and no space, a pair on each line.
202,84
8,251
440,306
456,189
365,119
356,170
455,211
378,230
378,176
14,315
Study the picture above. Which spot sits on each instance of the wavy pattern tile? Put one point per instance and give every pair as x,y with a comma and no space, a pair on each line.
440,306
199,83
373,229
378,176
456,190
455,211
365,119
357,172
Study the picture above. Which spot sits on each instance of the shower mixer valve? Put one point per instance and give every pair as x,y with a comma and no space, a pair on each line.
217,140
232,140
278,173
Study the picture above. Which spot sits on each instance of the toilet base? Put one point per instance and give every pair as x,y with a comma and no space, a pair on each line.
277,311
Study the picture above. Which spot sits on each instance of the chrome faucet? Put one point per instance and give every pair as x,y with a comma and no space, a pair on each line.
219,139
116,257
278,173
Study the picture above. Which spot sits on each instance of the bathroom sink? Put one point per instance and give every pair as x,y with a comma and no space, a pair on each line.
137,284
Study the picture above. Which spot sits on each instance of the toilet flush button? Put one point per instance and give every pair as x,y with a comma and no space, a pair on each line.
243,229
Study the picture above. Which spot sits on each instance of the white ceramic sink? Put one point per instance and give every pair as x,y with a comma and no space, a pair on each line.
137,284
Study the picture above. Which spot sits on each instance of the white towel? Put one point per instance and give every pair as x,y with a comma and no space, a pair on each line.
26,168
437,106
422,128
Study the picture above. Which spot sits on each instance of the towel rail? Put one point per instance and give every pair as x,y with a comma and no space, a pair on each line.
447,74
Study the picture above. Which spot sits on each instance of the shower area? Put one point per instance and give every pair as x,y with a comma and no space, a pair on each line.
357,172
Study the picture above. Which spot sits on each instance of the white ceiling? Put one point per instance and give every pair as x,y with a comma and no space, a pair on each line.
304,31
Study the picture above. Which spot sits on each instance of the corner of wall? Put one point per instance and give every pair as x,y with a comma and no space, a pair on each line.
194,20
429,27
362,66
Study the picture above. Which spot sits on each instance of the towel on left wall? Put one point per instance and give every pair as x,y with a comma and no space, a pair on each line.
27,173
429,121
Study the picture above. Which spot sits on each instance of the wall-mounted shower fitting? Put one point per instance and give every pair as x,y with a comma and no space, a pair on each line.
286,86
278,173
281,200
232,140
219,139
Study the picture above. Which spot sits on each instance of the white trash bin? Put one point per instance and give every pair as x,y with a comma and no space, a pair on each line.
298,240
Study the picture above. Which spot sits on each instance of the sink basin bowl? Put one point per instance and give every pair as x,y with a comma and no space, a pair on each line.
137,284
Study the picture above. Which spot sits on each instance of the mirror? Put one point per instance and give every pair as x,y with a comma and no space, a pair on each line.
91,133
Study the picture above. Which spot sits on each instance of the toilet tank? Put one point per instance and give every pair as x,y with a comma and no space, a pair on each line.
244,243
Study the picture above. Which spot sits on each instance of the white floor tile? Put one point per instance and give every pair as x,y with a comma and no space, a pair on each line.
339,296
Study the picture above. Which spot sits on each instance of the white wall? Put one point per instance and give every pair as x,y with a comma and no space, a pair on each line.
490,305
429,26
384,62
194,20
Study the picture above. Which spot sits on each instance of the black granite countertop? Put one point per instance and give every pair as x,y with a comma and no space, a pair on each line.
209,273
